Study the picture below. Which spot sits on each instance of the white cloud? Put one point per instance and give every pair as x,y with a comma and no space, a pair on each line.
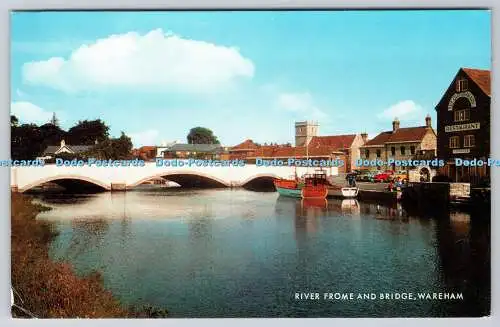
147,137
403,110
28,112
301,104
155,61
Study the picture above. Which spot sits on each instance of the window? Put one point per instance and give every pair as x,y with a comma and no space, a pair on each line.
403,150
469,141
462,115
461,85
367,154
378,153
412,149
454,142
393,151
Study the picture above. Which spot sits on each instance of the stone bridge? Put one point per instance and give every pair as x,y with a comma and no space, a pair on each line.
124,178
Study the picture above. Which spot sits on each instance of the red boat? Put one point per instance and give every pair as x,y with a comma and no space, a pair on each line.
286,183
314,192
316,186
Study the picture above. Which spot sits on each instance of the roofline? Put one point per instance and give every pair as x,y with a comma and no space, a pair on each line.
372,146
416,141
292,157
461,69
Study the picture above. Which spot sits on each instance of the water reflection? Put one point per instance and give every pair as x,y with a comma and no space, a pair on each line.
215,253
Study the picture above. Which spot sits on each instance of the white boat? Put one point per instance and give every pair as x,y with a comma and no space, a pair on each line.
339,188
343,191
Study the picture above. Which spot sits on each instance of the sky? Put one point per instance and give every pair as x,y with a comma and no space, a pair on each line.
243,74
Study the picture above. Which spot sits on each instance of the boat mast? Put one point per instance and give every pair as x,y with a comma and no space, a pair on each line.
307,155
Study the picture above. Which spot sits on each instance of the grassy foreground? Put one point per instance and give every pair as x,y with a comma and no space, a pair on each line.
47,289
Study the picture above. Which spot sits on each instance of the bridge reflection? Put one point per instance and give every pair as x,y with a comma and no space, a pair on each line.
75,185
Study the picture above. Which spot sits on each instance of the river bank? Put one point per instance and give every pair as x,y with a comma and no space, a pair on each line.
47,289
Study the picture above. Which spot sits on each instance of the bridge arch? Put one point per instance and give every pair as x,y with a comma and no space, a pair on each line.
260,182
175,176
56,178
259,176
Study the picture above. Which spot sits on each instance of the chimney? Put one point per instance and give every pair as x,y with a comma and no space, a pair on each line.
428,121
395,124
63,143
364,136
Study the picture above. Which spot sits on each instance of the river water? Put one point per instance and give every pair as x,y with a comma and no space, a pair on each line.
238,253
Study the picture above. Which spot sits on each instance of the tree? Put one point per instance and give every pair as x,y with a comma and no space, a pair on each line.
27,142
52,134
87,132
14,122
201,135
54,121
116,148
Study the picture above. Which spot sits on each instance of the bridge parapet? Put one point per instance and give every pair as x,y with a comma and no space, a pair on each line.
122,178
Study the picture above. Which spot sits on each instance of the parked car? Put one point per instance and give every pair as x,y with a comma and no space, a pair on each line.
366,176
385,176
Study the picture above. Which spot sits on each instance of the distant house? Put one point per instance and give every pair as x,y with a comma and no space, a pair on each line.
401,144
307,145
243,150
199,151
285,152
146,153
53,150
349,145
164,146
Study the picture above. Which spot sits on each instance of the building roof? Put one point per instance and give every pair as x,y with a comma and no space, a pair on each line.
334,141
405,134
293,152
52,149
147,148
245,145
481,77
196,147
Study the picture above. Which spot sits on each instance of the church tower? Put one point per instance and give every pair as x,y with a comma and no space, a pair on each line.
304,132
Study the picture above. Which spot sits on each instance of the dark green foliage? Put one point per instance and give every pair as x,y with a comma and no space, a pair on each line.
201,135
116,148
29,141
86,132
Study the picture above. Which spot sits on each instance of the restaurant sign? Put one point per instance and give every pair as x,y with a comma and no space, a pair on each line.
456,96
463,127
457,151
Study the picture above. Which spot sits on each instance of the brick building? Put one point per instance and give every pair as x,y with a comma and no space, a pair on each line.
307,145
463,125
146,153
401,143
198,151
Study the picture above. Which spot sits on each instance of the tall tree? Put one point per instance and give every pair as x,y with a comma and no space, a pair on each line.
87,132
201,135
14,122
27,142
54,121
52,134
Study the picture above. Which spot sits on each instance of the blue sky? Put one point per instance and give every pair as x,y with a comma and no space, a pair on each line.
155,75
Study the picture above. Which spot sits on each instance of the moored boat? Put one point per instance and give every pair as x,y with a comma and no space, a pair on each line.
316,186
343,191
288,187
319,191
